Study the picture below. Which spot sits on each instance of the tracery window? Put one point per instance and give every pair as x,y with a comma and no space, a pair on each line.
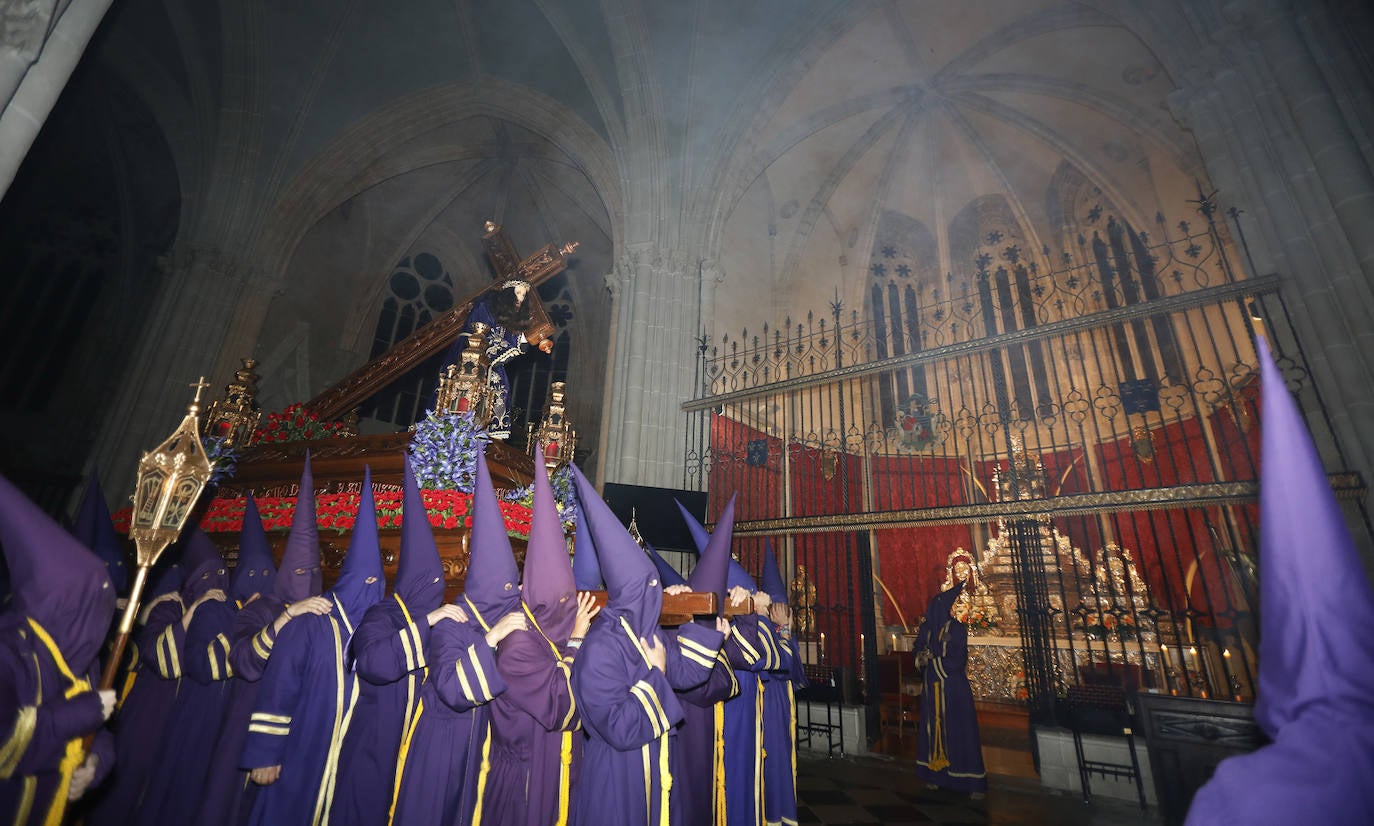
419,290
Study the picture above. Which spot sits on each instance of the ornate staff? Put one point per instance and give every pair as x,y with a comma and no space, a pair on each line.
170,480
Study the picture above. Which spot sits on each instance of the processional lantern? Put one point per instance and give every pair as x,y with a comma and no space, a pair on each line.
235,417
556,434
171,478
465,387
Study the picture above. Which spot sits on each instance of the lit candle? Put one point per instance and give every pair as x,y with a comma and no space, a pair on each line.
822,646
1226,653
892,638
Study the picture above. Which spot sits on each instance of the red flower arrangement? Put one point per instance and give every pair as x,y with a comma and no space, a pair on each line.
295,424
446,509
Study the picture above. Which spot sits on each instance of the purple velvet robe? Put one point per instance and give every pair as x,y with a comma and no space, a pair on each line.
174,790
449,736
630,711
389,655
536,739
700,741
228,795
302,709
780,733
757,653
949,751
39,722
142,717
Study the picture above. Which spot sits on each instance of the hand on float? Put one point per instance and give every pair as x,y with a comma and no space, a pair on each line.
738,595
586,610
673,590
761,603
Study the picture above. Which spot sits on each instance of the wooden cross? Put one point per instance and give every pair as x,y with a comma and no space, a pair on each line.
372,377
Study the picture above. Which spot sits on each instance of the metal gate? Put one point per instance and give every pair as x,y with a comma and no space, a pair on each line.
1077,442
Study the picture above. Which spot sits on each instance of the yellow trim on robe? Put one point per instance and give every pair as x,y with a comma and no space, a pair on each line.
409,734
13,749
75,752
482,778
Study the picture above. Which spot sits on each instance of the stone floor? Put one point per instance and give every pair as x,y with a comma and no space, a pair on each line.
883,790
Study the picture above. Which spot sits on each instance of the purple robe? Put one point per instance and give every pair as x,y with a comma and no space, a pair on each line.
700,742
449,736
228,795
174,790
389,650
780,733
536,739
631,711
757,652
949,751
142,716
302,708
39,723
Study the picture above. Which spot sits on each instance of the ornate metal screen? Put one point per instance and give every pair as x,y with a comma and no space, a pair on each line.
1078,443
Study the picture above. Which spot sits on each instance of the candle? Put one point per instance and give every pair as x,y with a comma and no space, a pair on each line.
892,641
822,646
1226,653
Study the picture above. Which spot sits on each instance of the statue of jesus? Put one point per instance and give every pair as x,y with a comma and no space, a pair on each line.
511,313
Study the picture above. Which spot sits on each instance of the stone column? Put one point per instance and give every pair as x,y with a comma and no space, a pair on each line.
1276,146
657,312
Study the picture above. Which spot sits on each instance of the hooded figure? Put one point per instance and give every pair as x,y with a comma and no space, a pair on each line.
534,756
389,650
780,703
221,781
49,641
701,737
96,531
308,690
145,700
949,753
198,650
228,794
1315,670
667,574
586,569
437,770
624,681
752,651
